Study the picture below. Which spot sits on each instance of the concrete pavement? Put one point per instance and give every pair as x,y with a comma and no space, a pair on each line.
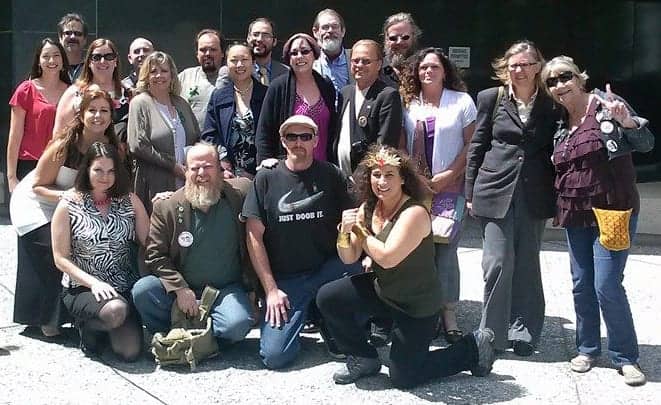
38,372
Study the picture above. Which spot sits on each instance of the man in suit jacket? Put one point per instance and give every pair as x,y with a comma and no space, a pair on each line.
261,37
195,239
371,111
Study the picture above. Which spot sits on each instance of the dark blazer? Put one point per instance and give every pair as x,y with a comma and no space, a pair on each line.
382,110
164,255
279,105
277,69
503,154
221,108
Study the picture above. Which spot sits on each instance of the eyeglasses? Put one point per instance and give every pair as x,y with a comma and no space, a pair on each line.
393,38
563,77
364,61
74,33
265,35
303,52
525,65
96,57
303,137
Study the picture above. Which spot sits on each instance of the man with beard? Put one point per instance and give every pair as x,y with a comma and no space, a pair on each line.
261,38
72,32
195,239
400,40
329,30
292,211
198,82
371,111
139,49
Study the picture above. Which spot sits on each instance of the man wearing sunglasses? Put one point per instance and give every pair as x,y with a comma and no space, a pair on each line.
291,213
329,30
371,111
72,33
400,40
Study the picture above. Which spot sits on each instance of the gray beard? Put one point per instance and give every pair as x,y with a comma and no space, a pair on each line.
202,197
332,46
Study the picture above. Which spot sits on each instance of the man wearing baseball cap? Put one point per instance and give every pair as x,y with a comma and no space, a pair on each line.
292,212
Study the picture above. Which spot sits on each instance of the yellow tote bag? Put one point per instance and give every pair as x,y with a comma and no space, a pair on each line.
613,228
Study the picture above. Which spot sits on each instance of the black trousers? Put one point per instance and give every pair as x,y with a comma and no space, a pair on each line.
345,302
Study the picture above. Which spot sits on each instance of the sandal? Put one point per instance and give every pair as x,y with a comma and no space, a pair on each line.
453,336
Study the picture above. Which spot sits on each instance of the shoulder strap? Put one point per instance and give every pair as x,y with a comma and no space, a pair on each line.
501,93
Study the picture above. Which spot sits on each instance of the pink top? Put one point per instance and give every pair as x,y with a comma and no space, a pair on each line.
320,114
39,120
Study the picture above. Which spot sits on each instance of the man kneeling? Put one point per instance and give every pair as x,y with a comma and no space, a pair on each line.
195,239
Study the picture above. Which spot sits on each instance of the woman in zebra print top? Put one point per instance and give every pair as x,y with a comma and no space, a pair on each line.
93,231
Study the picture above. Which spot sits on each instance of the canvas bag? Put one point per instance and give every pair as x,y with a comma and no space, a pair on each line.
190,340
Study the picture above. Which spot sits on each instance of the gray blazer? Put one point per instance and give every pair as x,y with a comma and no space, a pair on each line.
151,144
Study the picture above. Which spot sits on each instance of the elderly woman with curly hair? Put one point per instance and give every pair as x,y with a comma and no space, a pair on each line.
439,120
596,182
304,92
393,228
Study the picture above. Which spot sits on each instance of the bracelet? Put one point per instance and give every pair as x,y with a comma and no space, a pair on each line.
361,231
343,240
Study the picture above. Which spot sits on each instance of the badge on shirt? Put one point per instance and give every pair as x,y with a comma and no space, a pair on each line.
607,127
185,239
611,145
362,121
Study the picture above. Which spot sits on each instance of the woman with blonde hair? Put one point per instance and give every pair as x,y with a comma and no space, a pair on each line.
596,184
509,188
161,124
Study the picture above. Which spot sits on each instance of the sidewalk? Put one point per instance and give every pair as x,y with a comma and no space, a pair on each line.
37,372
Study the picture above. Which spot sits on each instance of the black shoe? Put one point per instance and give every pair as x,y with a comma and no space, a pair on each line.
356,368
91,341
523,348
486,354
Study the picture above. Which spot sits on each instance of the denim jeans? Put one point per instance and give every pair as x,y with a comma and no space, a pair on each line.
278,347
231,313
597,274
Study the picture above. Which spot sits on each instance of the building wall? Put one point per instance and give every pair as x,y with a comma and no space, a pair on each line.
615,41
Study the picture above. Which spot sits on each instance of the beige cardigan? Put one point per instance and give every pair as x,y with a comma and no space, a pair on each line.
151,144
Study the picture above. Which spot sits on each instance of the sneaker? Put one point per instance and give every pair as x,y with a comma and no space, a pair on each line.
633,375
356,368
582,363
486,354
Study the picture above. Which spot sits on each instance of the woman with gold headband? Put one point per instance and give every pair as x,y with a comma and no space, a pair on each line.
393,228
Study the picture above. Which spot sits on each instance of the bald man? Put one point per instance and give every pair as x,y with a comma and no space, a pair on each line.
138,51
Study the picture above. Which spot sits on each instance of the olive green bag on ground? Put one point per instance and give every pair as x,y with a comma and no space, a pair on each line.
190,340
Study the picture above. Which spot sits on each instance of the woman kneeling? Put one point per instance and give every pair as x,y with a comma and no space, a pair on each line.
394,229
93,231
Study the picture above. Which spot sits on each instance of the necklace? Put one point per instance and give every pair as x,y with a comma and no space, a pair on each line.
102,203
244,91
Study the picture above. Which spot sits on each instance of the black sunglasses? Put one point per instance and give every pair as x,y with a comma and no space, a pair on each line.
96,57
563,77
295,52
393,38
74,33
303,137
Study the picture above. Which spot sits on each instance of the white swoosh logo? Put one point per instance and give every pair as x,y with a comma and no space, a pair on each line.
286,208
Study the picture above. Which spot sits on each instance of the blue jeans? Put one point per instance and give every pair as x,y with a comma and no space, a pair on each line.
231,313
597,274
278,347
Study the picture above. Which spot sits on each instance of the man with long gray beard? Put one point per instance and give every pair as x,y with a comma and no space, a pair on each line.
400,41
329,30
195,239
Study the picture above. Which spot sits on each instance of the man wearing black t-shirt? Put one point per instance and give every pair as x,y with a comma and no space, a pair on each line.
292,213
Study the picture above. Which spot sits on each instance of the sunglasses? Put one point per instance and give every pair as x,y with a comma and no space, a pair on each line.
303,52
563,77
393,38
74,33
303,137
521,65
96,57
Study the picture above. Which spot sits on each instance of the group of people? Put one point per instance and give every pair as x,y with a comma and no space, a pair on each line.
327,189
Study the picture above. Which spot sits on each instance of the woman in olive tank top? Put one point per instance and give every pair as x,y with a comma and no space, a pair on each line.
393,229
